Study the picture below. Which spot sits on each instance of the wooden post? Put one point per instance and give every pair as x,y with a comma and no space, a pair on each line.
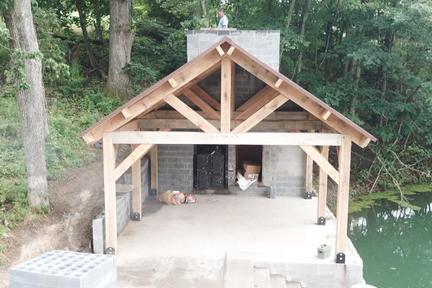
136,190
110,194
226,95
343,198
322,190
308,177
154,169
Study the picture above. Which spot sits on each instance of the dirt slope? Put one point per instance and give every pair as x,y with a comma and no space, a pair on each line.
75,199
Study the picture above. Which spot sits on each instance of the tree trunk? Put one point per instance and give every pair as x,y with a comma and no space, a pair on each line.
121,39
83,24
98,20
31,101
290,13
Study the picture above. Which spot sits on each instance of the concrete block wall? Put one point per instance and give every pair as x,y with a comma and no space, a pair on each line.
263,44
124,204
175,167
284,170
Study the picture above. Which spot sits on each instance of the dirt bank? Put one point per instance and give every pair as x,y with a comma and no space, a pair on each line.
75,199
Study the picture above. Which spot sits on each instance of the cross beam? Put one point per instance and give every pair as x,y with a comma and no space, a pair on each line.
251,138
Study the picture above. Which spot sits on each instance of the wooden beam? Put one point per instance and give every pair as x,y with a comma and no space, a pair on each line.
251,138
135,155
154,169
257,101
322,188
259,115
343,199
275,116
190,114
136,191
226,95
206,108
206,97
263,126
296,95
231,50
220,50
320,160
233,87
109,193
278,83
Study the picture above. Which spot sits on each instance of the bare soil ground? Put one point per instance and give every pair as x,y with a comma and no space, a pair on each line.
75,200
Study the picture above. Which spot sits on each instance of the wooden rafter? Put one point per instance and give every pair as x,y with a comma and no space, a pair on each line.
226,95
256,102
321,161
198,101
259,115
298,95
206,97
190,114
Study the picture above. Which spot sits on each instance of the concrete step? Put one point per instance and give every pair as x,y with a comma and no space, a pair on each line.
277,281
262,278
254,190
238,273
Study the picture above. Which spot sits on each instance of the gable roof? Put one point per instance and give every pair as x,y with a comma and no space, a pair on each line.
208,61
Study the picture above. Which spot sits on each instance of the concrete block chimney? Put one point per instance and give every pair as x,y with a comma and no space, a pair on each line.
263,44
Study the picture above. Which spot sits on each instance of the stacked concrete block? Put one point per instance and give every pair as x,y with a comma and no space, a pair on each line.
65,269
263,44
123,210
284,169
175,167
232,166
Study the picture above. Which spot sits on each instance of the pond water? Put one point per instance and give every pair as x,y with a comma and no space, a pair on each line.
395,243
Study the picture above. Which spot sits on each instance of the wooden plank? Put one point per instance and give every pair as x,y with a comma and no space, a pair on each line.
136,191
154,169
251,138
206,97
322,188
263,126
259,115
135,155
343,195
173,82
190,114
109,192
233,87
206,108
319,159
226,95
296,95
231,50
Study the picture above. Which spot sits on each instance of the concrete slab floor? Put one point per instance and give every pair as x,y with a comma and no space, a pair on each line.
185,246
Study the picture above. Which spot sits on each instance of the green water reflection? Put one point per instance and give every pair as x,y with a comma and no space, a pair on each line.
395,243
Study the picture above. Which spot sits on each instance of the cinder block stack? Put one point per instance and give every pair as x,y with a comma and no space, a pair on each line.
65,269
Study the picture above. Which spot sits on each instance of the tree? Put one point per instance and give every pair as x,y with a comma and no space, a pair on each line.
120,47
30,97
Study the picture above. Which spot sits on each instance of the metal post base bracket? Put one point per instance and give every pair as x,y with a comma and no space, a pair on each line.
340,258
321,220
110,251
136,216
307,195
